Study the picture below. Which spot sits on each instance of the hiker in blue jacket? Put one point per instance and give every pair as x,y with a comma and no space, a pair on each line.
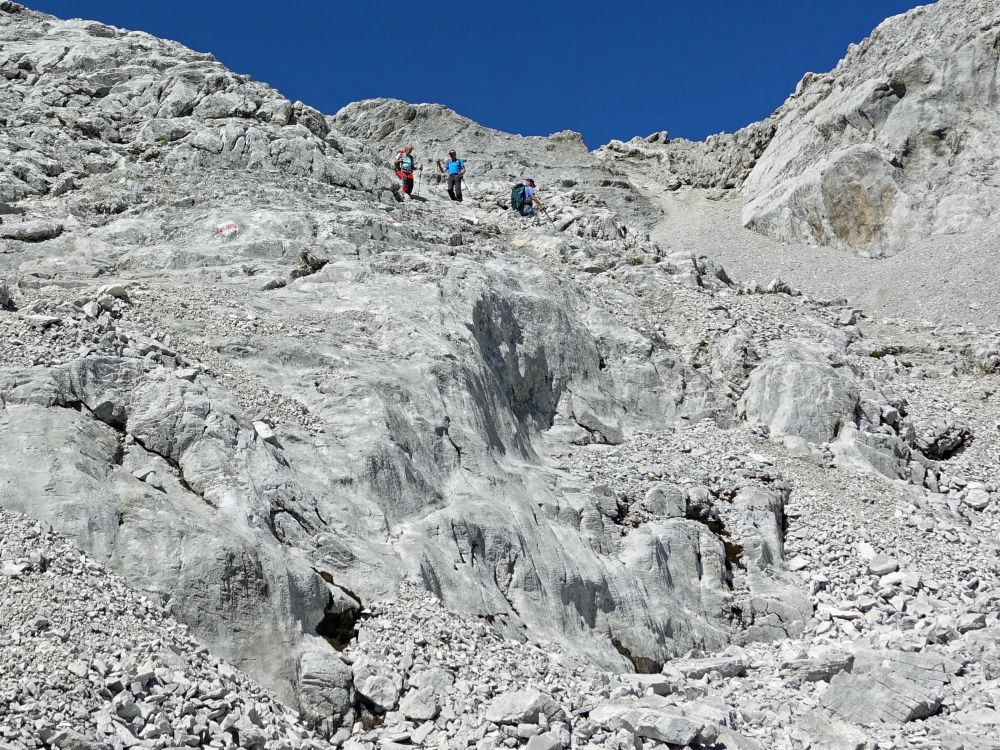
455,169
529,198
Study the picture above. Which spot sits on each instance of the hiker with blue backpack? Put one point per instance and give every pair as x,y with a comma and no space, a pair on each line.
523,196
455,169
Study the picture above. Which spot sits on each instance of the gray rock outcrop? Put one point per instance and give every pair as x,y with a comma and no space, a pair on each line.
901,688
888,146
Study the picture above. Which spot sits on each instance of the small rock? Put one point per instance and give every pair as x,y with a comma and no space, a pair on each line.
419,705
847,317
798,563
695,669
41,322
844,614
977,499
881,565
79,668
13,569
265,433
527,731
544,741
421,733
117,291
971,621
656,683
124,706
821,668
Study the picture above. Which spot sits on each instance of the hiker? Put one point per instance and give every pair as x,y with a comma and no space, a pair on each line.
522,196
455,169
405,165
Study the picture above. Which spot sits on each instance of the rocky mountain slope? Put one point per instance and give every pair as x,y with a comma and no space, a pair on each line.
438,475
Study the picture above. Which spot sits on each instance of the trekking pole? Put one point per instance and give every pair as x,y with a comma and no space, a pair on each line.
416,190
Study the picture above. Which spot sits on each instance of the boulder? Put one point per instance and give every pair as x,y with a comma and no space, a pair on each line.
326,687
939,437
420,704
900,688
31,231
438,679
655,683
797,391
651,720
666,500
524,707
882,565
544,741
378,683
820,668
723,666
821,732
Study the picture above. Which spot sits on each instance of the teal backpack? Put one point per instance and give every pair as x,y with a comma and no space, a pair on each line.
517,197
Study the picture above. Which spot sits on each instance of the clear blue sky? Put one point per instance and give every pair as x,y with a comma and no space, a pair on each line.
609,69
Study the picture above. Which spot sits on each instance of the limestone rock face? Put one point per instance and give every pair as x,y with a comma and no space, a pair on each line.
283,395
151,94
187,540
720,161
890,145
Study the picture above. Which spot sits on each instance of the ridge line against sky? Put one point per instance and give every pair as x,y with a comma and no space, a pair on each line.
607,70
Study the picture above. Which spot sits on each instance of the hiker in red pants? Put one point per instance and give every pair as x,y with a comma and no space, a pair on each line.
405,165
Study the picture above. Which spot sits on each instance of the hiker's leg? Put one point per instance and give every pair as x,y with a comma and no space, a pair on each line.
458,187
451,186
408,184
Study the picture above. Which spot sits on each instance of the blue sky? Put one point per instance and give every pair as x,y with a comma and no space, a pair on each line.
607,69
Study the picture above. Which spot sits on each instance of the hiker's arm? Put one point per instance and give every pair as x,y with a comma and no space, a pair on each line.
440,168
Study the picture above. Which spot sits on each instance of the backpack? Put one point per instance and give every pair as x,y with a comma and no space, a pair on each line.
399,159
517,197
